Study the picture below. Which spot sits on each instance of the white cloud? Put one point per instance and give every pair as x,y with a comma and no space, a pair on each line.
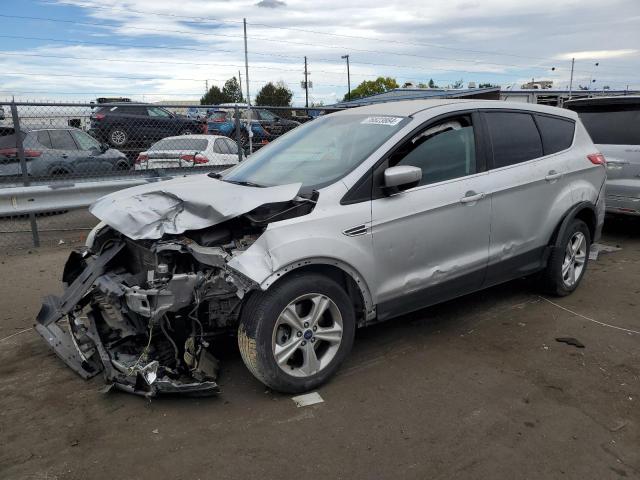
501,41
597,54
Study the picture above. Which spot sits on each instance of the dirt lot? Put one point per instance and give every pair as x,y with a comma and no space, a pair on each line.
475,388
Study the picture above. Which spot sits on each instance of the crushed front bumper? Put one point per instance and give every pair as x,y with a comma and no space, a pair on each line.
80,346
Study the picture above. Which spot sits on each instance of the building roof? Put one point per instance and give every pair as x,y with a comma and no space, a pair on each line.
398,94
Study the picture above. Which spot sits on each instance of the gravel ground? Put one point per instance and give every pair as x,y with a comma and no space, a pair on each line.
474,388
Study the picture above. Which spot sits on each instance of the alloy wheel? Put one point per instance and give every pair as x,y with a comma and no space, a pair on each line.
575,258
307,335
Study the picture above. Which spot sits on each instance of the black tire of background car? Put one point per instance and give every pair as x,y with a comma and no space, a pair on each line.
59,172
551,278
259,316
125,136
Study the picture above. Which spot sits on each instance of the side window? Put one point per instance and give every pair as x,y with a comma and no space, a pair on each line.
43,138
85,141
233,146
220,147
514,137
443,151
557,133
158,112
62,140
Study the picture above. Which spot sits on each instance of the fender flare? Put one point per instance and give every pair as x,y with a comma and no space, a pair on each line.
569,216
369,307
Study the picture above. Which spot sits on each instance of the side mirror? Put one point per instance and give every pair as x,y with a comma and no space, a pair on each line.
401,177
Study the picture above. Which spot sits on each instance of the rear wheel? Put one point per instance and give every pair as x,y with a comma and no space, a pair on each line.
294,336
118,137
568,263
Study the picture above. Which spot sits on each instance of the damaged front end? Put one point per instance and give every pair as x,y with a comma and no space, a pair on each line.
147,312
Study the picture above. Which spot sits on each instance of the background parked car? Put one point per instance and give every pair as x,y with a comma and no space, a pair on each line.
1,113
59,152
138,126
264,124
614,126
189,151
199,113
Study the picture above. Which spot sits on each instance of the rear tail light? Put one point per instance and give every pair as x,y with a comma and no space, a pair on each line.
204,127
199,159
597,159
13,152
98,116
142,158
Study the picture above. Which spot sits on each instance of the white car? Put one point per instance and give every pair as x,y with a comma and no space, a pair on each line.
189,151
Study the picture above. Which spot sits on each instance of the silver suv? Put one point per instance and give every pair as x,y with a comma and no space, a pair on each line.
354,218
614,126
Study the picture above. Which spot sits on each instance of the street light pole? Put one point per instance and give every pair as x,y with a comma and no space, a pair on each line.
573,61
348,77
306,84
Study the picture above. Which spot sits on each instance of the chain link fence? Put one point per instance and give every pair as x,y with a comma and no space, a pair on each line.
57,157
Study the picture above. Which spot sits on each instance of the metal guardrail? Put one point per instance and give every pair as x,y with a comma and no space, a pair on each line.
63,194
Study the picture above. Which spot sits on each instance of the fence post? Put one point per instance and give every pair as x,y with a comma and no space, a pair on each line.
240,147
23,168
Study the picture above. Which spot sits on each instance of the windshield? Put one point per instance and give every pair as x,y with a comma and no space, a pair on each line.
182,143
317,153
267,115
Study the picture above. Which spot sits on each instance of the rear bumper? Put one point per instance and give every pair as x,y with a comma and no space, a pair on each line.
623,205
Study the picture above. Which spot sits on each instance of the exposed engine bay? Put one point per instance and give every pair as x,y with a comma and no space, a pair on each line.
147,312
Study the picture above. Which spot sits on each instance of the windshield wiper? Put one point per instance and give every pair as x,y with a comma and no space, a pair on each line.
244,183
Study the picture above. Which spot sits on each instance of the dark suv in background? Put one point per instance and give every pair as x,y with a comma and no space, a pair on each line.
134,127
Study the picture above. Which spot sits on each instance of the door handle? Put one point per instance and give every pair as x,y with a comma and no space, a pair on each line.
471,197
552,175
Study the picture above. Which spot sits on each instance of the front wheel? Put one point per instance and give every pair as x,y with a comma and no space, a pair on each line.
294,336
568,263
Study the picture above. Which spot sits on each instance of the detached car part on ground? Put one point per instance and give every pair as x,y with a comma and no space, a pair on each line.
353,218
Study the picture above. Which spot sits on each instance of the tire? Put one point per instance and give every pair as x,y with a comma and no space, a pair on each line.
267,323
566,269
118,137
59,172
187,131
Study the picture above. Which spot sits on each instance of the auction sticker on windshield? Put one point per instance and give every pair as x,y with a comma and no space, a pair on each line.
382,120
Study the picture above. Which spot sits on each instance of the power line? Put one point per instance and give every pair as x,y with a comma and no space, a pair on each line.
317,32
74,22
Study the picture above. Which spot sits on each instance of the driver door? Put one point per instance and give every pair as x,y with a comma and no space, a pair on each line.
431,242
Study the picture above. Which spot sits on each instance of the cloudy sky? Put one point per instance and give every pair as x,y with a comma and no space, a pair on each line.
167,50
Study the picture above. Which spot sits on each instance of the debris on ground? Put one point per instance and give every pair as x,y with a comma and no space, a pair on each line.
598,248
308,399
570,341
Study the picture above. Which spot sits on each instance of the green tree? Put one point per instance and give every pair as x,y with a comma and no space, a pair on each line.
232,91
213,97
487,85
372,87
458,84
275,95
432,84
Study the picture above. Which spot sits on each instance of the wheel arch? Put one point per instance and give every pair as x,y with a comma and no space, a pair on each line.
585,211
345,275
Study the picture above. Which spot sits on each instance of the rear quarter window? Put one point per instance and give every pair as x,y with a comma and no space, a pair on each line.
514,137
557,133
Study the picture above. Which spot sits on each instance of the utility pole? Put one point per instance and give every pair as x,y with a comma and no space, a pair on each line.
246,76
573,61
348,77
206,86
240,81
306,84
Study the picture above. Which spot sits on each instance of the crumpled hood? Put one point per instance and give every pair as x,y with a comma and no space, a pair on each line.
190,203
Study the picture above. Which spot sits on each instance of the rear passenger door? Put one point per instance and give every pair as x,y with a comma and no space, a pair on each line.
528,165
64,152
